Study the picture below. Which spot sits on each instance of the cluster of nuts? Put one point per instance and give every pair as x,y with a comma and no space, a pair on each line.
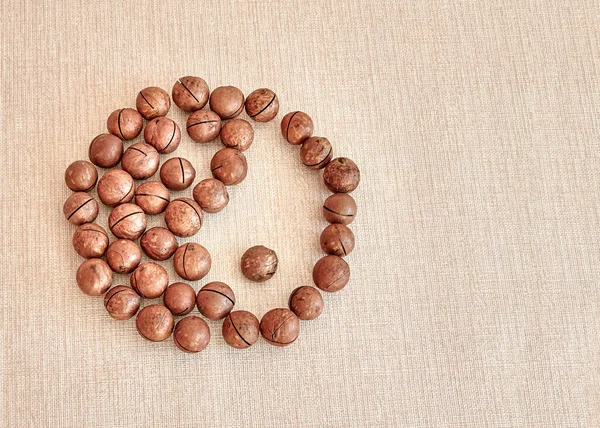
130,203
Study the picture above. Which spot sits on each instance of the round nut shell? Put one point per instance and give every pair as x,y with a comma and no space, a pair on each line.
190,93
155,323
140,160
183,217
153,102
296,127
80,208
203,126
240,329
192,261
127,221
122,302
306,302
152,197
90,240
123,256
163,134
158,243
94,277
262,105
81,176
227,101
280,327
105,150
179,298
116,187
191,334
331,273
125,123
215,300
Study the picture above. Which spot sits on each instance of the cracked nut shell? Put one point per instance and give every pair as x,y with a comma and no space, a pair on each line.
152,102
105,150
81,176
215,300
179,298
192,261
339,208
155,323
331,273
316,152
125,123
280,327
123,256
259,263
211,194
127,221
183,217
190,93
240,329
306,302
152,197
229,166
337,239
158,243
80,208
177,173
122,302
237,134
149,280
90,240
116,187
341,175
94,277
191,334
262,105
140,160
227,101
203,126
163,134
296,127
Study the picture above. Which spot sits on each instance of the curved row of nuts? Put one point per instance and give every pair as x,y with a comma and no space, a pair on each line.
131,203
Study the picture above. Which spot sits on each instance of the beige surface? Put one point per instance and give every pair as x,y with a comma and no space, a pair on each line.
474,298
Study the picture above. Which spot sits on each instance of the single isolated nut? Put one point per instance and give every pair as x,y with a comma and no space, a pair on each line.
203,126
240,329
152,197
331,273
155,323
339,208
296,127
177,173
262,105
183,217
81,176
280,327
140,160
190,93
123,256
105,150
158,243
237,134
215,300
316,152
179,298
227,101
229,166
337,239
259,263
163,134
149,280
94,277
153,102
116,187
122,302
341,175
191,334
127,221
192,261
80,208
211,194
306,302
90,240
125,123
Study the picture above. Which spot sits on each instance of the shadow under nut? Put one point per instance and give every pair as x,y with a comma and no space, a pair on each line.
280,327
183,217
331,273
192,261
240,329
155,323
215,300
80,208
122,302
229,166
127,221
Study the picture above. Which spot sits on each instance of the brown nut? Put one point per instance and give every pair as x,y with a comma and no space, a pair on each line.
163,134
155,323
240,329
125,123
80,208
152,197
158,243
215,300
203,126
140,160
280,327
183,217
316,152
227,101
339,208
94,277
296,127
122,302
191,334
190,93
123,256
259,263
192,261
337,239
153,102
341,175
237,134
331,273
90,240
105,150
81,176
177,174
229,166
127,221
179,298
116,187
262,105
149,280
211,194
306,302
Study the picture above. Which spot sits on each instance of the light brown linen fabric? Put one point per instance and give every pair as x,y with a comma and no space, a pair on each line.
474,299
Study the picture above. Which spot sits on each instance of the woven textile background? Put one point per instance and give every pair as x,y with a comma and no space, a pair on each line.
475,291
